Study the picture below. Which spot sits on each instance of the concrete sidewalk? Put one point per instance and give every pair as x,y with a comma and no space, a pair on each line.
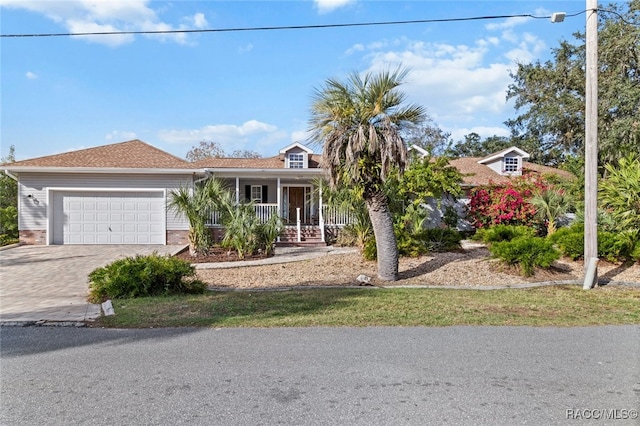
49,283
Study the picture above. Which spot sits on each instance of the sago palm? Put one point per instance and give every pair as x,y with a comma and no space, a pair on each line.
359,123
550,205
197,203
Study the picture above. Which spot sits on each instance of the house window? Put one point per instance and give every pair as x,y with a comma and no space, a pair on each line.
296,161
510,164
256,193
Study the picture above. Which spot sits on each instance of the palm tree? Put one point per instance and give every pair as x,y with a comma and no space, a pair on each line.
197,204
550,204
359,123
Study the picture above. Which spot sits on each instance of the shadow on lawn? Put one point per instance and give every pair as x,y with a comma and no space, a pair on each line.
229,308
479,253
607,277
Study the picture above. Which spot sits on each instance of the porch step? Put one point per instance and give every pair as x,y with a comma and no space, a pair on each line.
309,236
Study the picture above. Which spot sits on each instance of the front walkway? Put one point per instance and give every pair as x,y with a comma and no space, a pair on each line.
49,283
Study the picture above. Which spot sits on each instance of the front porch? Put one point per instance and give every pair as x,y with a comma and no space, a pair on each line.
299,229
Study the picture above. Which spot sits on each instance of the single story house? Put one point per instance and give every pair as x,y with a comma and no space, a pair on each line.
495,168
118,193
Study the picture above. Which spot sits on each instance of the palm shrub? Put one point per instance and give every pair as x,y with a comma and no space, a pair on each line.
550,204
442,239
498,233
246,233
143,276
620,192
526,253
268,233
241,230
197,204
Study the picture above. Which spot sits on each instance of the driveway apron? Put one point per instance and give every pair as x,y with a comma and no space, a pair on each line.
49,283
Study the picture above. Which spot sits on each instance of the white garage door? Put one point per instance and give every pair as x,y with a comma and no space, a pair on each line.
109,218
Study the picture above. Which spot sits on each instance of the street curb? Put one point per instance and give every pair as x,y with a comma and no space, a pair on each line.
426,286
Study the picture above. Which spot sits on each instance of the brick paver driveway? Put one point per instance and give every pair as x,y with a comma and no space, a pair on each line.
50,282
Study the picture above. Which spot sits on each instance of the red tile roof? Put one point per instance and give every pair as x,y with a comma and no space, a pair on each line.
128,155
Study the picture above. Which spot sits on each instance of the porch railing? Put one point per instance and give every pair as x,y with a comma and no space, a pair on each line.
263,211
331,215
336,216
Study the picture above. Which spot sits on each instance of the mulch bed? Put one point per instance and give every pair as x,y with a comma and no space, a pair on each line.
218,254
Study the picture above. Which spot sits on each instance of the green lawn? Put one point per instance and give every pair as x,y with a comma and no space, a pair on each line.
542,306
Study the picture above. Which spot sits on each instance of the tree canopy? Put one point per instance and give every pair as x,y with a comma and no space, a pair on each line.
550,96
359,122
211,149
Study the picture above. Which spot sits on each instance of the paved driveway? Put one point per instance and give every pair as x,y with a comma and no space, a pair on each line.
50,282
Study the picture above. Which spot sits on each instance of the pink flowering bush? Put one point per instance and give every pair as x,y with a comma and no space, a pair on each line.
504,204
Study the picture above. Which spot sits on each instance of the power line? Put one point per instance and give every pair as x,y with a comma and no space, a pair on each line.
278,28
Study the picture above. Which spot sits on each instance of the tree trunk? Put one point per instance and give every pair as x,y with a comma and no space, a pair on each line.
386,244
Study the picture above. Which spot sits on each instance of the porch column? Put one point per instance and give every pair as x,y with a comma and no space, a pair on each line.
320,215
237,190
279,197
279,201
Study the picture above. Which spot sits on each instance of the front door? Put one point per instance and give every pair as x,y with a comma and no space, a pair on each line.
296,200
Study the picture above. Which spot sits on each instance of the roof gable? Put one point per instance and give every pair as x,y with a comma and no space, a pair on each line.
133,154
296,145
501,154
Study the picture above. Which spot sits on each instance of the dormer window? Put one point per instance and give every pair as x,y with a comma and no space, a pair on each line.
296,161
510,164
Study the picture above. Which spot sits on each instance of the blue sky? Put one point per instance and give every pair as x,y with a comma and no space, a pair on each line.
251,89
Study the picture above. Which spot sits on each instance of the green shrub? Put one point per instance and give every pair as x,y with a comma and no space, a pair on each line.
616,247
635,253
526,253
570,241
370,250
5,240
612,246
9,222
143,276
442,239
500,233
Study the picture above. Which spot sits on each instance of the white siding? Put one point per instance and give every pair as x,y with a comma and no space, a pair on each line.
33,211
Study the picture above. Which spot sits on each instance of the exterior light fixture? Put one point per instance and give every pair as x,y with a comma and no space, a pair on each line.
558,17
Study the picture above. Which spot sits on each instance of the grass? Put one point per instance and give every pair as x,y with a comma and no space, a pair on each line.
565,306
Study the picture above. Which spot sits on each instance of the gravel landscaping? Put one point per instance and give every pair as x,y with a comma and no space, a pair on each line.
468,267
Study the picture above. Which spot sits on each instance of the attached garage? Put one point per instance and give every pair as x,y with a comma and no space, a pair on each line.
108,217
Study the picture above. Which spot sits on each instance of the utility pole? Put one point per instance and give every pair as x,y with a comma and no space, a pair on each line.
591,148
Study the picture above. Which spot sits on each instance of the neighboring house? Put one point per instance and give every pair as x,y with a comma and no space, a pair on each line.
495,168
118,194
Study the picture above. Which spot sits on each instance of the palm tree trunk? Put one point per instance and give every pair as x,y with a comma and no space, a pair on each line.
386,245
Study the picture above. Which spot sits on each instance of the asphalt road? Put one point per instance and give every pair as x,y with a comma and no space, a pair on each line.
320,376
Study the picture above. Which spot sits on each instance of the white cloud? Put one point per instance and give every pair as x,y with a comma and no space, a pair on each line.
252,134
462,86
78,16
245,49
508,23
31,75
198,20
326,6
120,136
